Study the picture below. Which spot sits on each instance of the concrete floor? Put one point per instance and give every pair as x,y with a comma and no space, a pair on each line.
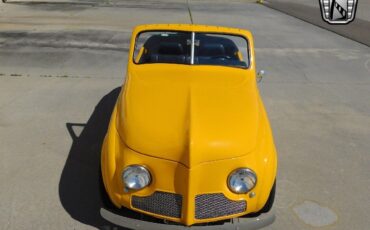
363,7
60,68
309,11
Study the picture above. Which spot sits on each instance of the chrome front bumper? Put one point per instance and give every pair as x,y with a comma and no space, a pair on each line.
249,223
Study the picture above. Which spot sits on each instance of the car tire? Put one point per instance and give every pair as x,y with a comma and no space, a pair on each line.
270,200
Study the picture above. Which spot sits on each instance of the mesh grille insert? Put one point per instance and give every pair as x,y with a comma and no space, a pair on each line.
162,203
216,205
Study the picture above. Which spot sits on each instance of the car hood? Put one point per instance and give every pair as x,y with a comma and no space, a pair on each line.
189,114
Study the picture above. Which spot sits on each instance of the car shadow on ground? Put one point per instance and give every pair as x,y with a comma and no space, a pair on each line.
79,186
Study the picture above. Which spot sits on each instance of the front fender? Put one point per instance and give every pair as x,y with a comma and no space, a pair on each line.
108,161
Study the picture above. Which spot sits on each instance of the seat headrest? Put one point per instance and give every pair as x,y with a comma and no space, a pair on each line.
170,48
214,49
161,58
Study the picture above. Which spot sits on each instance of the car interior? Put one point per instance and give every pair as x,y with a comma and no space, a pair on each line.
175,48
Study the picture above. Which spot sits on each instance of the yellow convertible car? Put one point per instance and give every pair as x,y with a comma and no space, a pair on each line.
189,141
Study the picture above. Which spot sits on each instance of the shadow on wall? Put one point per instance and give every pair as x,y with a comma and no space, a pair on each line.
79,186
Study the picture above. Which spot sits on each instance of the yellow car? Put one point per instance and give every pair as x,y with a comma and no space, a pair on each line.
189,140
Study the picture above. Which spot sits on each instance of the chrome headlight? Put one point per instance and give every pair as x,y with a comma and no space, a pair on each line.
242,180
135,177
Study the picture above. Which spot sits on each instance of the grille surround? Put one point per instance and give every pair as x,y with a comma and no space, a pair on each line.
217,205
162,203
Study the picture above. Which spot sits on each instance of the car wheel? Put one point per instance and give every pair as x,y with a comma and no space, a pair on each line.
270,200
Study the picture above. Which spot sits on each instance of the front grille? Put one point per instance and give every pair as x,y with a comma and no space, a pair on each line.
216,205
162,203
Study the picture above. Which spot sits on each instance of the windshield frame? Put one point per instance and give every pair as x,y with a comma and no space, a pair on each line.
192,48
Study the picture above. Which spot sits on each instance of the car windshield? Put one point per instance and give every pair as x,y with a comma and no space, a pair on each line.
191,48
